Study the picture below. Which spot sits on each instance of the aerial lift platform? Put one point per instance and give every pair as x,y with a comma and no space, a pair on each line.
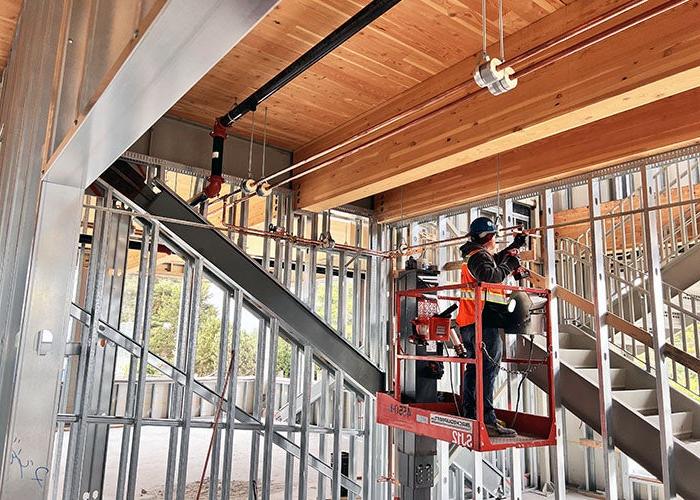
441,419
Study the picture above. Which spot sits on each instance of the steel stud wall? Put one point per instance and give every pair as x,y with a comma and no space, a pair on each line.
320,407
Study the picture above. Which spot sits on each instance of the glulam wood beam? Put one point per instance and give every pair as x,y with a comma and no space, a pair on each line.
653,60
659,126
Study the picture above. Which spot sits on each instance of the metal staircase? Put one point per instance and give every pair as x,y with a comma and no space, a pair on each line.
247,273
634,405
636,418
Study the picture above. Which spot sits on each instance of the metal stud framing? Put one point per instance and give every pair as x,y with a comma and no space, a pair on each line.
600,303
341,424
658,330
550,274
186,386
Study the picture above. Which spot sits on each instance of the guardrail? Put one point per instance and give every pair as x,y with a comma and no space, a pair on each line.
629,311
676,183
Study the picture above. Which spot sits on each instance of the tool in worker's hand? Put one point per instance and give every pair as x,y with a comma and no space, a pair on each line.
326,240
521,272
519,229
276,229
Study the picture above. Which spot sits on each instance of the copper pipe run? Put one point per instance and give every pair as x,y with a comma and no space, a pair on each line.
671,4
298,240
456,90
574,32
630,23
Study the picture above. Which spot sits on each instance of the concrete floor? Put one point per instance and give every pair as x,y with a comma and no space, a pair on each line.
153,456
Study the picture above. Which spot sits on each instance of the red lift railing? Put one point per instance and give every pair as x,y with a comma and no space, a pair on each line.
442,420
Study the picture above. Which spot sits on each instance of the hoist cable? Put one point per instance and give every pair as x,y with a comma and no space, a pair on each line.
483,30
264,145
500,30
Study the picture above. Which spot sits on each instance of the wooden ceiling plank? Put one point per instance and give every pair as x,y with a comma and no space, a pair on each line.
9,14
410,43
655,59
659,126
517,43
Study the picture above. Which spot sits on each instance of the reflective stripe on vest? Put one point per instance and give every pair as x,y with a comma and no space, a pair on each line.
467,307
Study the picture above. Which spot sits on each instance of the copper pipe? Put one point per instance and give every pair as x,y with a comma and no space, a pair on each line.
450,93
530,69
574,32
376,128
645,16
301,240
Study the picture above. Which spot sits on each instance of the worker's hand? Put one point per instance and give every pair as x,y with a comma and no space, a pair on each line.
519,241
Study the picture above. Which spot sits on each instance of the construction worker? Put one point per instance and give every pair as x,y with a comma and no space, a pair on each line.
481,265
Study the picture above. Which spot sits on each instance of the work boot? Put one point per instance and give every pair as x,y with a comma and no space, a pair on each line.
498,430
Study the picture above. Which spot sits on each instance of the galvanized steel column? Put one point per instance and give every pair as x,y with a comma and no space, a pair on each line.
270,408
305,422
550,273
599,295
658,330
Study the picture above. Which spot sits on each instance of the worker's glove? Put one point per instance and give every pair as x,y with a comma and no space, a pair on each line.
512,262
519,241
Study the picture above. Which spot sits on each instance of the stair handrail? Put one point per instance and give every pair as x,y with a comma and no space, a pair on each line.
674,301
675,291
619,323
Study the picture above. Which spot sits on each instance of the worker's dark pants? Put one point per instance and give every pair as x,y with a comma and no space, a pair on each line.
494,347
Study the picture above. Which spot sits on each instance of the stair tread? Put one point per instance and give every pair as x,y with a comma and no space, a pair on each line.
693,444
641,400
594,370
640,391
617,376
681,422
673,414
579,358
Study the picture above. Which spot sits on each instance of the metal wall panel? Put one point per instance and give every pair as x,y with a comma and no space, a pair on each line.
25,117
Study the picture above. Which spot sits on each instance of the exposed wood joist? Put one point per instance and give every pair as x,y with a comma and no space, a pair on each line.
662,125
653,60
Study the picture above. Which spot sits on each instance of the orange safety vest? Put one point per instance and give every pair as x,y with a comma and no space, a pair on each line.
467,306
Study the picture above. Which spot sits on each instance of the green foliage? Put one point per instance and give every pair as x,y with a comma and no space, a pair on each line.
247,352
321,301
165,317
164,326
284,358
206,358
